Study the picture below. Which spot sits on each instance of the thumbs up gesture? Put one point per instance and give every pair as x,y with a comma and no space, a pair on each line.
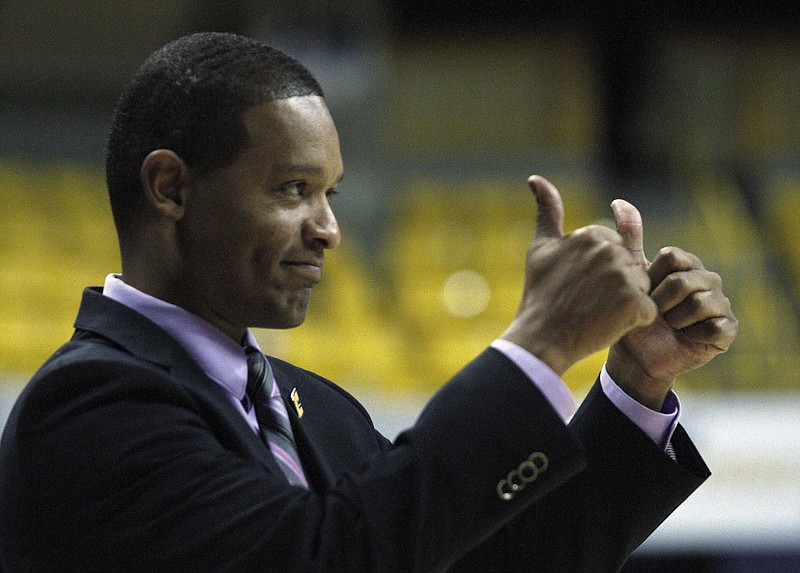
583,291
695,321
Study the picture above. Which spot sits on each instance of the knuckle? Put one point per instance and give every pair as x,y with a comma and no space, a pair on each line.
694,302
594,234
715,328
675,283
716,280
619,278
604,254
671,255
582,237
666,252
712,329
615,256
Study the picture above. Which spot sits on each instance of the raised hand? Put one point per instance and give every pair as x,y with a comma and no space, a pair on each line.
695,321
583,291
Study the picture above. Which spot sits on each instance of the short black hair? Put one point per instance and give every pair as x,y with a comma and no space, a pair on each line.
189,97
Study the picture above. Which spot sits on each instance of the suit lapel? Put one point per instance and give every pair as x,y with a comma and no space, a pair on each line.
186,370
105,319
135,333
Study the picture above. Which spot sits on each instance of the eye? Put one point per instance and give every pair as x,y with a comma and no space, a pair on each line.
331,193
294,189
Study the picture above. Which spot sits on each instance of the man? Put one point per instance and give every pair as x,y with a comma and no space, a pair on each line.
155,439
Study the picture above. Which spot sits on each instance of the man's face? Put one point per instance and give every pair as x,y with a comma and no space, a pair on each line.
254,233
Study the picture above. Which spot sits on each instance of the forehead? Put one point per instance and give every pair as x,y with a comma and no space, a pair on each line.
297,130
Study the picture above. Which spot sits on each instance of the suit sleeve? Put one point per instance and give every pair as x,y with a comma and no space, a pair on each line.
596,520
131,473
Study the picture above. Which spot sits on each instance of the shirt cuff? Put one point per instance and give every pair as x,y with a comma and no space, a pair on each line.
659,426
543,377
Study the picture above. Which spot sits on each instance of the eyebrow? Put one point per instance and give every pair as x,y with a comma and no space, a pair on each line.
303,168
297,167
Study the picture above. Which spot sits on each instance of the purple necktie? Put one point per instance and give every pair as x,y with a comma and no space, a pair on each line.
273,419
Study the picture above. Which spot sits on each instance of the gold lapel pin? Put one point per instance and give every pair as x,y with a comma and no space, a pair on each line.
296,401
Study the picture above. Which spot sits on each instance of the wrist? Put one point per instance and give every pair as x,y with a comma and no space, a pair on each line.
543,349
634,380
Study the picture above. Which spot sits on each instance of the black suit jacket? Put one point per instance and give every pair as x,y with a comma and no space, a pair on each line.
121,455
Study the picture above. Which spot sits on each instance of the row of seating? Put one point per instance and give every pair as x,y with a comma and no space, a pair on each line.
451,284
58,237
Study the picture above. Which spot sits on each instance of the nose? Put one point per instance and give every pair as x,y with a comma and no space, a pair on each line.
321,227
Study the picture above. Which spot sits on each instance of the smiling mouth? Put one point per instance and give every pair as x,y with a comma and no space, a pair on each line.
312,272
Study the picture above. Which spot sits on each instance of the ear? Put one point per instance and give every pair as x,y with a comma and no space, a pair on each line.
164,178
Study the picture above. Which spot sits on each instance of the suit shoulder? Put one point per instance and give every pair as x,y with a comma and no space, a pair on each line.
86,372
94,357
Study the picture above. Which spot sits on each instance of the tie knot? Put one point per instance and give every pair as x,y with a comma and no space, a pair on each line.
257,373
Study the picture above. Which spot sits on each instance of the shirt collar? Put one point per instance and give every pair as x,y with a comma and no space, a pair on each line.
220,357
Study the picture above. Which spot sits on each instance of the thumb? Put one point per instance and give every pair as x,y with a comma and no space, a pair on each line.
550,209
631,229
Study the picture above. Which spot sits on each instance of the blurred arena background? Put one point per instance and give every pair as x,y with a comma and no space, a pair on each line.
692,112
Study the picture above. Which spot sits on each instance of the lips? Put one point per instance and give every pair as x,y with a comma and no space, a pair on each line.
309,270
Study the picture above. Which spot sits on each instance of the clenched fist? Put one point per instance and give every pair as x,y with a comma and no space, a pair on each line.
695,321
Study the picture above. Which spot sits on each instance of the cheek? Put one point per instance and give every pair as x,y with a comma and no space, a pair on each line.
252,240
266,250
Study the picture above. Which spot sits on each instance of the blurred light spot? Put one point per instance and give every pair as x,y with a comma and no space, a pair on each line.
466,294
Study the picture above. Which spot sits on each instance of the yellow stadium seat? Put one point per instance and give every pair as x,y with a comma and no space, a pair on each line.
59,238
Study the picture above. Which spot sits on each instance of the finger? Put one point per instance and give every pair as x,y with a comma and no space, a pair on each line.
718,332
630,227
697,307
550,208
679,285
671,260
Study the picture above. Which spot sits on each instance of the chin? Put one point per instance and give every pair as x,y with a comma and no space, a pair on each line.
285,318
283,312
297,321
